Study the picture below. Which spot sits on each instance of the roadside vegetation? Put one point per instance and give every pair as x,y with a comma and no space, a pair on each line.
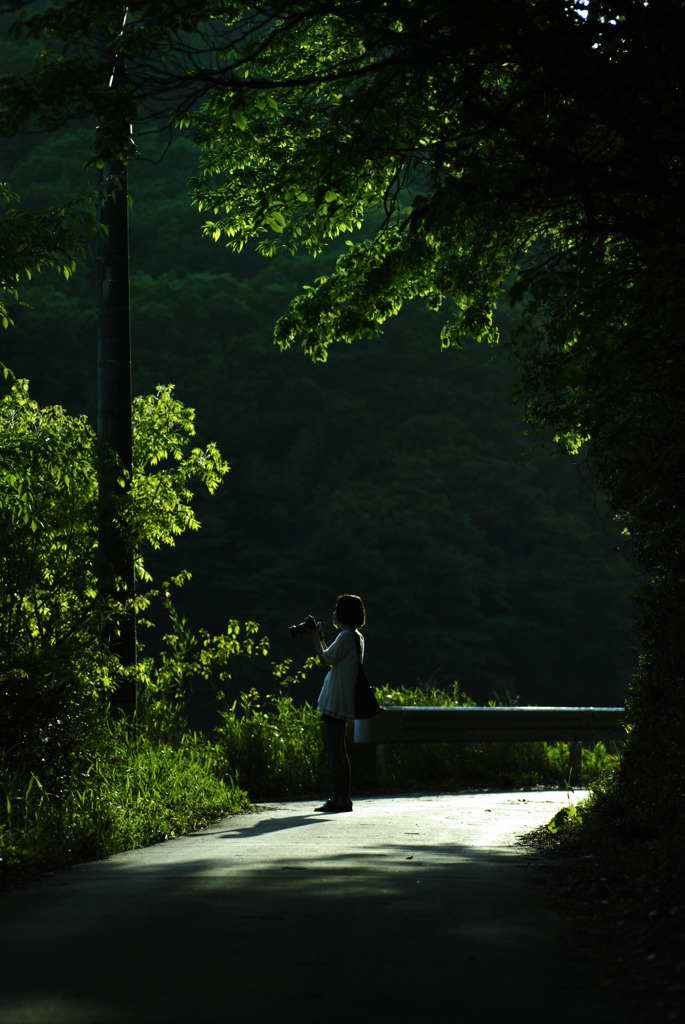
131,784
274,747
124,790
621,891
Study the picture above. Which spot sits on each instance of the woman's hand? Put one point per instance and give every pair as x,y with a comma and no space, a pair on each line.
316,636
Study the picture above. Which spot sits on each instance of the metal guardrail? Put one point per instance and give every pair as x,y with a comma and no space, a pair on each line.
486,724
473,724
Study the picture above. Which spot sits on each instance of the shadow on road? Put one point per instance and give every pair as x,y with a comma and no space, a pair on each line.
400,915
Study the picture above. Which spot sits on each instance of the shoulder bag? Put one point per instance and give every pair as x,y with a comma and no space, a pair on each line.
365,703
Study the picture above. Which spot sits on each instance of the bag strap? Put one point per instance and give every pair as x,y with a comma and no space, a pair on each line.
357,644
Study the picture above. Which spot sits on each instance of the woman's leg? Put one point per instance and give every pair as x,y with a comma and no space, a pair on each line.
334,731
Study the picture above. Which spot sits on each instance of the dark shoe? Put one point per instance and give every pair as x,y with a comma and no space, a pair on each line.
332,808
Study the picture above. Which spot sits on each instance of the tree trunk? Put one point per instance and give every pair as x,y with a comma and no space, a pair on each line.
116,555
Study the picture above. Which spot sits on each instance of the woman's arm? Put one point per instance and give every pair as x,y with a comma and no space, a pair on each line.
316,636
330,653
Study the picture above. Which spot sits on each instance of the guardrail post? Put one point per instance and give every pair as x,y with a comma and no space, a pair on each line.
382,762
576,762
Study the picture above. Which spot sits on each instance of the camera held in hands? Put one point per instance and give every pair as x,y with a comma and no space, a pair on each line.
308,623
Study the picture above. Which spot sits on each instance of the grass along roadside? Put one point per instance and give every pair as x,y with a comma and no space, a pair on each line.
129,791
274,750
128,786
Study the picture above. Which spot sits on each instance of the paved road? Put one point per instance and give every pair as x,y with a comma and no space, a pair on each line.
408,909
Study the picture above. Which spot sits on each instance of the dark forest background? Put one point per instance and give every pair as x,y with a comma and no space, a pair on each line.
395,469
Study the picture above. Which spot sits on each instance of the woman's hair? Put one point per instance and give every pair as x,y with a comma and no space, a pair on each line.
349,610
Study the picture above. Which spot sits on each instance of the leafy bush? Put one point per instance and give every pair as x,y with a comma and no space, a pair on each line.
56,666
50,616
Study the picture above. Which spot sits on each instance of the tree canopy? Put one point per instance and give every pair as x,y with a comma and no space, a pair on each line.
518,148
521,149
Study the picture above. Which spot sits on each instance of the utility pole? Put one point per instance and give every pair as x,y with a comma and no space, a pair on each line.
114,427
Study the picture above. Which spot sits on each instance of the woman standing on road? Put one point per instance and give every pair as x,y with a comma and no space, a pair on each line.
336,700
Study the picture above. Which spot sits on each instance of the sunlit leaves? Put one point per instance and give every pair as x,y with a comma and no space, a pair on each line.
48,510
161,494
358,132
31,241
